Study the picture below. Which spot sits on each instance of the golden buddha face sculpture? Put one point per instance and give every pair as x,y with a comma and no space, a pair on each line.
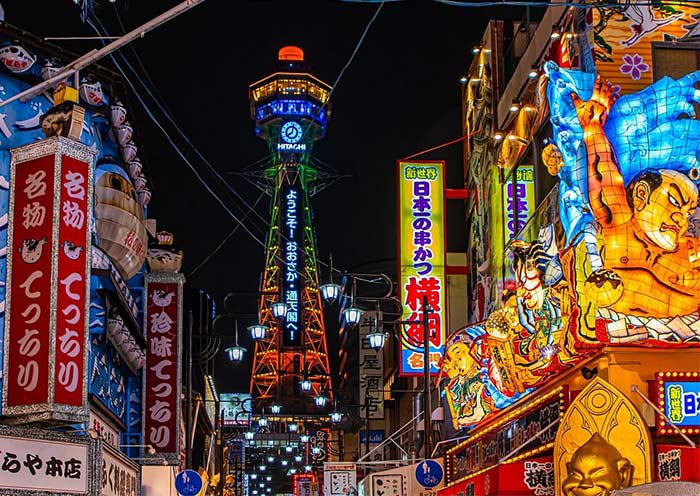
662,206
596,469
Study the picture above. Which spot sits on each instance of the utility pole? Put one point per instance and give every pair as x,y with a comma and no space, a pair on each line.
427,423
367,403
189,421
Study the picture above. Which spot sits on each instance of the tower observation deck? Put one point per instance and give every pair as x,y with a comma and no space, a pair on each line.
291,110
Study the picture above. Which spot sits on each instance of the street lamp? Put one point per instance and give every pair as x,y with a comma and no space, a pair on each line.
305,384
249,435
293,427
262,421
235,353
258,331
279,310
304,438
321,399
376,339
336,417
352,316
276,409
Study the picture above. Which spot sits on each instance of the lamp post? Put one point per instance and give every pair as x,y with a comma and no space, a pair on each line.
425,322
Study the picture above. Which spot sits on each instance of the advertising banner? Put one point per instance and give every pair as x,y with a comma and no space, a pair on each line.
677,462
371,370
163,325
292,244
421,262
120,475
237,408
533,425
44,462
47,286
339,479
678,396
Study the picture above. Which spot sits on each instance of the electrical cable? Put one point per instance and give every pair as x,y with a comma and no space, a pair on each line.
170,118
223,242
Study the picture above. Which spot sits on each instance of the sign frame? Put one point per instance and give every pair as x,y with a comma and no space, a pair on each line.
57,148
659,384
171,457
435,238
94,458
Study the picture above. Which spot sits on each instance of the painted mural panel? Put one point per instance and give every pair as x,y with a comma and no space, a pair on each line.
624,38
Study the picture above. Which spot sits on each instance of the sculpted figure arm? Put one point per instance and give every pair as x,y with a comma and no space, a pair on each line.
606,190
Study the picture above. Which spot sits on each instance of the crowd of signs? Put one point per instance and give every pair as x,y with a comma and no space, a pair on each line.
586,280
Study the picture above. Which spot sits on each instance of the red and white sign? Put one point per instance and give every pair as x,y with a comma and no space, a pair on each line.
677,462
48,254
163,324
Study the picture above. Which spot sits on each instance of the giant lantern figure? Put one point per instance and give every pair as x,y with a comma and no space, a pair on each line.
291,110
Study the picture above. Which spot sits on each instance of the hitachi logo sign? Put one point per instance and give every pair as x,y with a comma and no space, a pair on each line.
291,147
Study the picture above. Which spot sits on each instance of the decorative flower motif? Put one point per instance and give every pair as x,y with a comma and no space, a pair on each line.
634,66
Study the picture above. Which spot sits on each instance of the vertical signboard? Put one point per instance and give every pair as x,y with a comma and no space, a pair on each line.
339,478
48,260
292,226
422,261
163,325
236,408
371,370
519,199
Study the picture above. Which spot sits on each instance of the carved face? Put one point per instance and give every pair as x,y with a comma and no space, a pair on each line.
530,286
595,469
663,214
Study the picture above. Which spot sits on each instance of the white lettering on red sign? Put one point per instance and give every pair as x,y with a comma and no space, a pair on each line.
161,420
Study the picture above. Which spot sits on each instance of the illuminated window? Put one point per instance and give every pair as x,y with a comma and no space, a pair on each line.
292,86
318,93
264,91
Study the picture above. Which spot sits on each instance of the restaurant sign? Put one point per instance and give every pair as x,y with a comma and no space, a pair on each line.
120,475
44,462
678,396
422,263
162,377
530,430
48,257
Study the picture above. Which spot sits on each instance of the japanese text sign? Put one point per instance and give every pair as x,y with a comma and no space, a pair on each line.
163,325
371,370
339,479
292,227
47,281
677,462
422,261
519,199
678,396
44,465
120,475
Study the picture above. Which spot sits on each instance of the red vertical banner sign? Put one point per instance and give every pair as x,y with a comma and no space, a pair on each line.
47,282
162,377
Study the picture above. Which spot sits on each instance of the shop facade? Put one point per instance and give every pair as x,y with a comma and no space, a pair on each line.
583,235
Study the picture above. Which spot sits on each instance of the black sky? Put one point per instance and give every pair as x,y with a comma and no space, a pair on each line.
400,95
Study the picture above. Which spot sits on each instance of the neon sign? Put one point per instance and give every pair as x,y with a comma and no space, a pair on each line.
422,261
292,258
519,198
679,399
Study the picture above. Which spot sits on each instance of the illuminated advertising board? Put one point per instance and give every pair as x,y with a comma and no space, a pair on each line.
678,396
236,408
292,242
519,199
422,261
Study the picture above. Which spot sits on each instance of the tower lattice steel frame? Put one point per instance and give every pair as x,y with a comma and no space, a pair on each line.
291,110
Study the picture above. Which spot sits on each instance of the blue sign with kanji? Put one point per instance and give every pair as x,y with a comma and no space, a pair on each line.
429,473
188,483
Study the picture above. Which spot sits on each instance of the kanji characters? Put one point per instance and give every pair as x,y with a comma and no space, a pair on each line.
75,185
33,215
34,185
73,215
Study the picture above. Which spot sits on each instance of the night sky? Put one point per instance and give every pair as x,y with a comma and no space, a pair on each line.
400,95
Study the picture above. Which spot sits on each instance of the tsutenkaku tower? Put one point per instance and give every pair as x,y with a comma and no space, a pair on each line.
291,110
